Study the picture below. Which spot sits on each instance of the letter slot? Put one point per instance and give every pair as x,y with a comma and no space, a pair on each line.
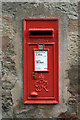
41,32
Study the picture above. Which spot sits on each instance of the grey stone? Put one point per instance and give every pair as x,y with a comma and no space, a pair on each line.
13,14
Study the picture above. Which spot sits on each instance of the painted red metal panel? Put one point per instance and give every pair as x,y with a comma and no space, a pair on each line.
41,65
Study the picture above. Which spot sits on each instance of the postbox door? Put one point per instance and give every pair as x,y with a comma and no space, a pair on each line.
41,71
40,61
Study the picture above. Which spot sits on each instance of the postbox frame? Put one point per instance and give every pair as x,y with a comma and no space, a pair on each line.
25,82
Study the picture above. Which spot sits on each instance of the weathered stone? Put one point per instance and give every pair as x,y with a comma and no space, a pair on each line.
72,101
73,48
17,95
78,113
12,100
74,115
73,25
5,40
7,104
64,115
73,76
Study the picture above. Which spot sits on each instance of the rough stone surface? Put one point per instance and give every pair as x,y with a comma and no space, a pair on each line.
40,1
71,9
12,101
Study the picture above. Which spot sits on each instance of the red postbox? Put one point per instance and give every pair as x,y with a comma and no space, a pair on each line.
40,61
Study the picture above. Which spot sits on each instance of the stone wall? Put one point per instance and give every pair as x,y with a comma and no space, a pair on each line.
12,81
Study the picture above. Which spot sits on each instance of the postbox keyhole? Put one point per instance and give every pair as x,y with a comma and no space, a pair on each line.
33,75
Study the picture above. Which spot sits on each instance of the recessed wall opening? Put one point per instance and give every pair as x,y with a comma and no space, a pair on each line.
38,33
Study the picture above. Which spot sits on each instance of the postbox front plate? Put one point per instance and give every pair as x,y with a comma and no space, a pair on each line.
40,61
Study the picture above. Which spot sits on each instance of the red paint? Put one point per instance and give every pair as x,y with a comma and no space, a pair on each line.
41,86
34,94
